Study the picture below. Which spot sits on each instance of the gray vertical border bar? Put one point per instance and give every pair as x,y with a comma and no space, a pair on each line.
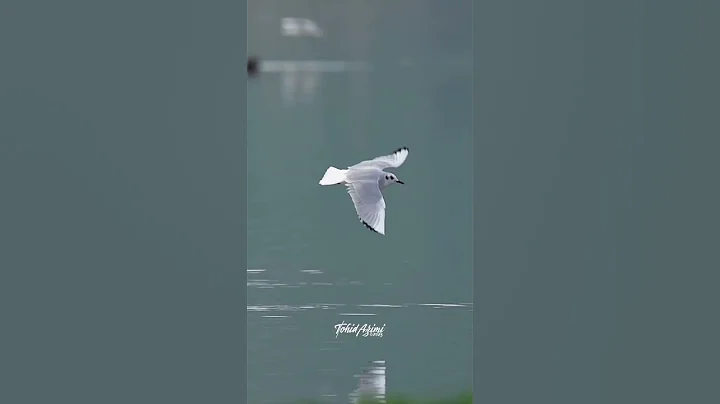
123,201
596,201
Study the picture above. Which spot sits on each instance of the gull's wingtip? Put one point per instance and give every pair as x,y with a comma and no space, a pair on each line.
380,231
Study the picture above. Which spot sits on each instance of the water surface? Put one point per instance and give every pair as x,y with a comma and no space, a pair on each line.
379,79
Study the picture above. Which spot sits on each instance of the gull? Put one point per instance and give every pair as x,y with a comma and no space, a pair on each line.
364,181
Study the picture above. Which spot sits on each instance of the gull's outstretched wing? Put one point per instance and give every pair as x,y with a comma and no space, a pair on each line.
369,204
396,159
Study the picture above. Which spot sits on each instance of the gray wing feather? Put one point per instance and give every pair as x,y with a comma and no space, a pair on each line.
369,204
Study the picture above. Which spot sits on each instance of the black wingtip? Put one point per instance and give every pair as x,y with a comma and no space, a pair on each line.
369,227
401,149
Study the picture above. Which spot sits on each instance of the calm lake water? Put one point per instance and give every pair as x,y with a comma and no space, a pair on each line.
379,78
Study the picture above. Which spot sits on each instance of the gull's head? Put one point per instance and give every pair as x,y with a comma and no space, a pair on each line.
391,179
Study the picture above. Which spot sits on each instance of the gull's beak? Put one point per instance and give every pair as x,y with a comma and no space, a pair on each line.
400,182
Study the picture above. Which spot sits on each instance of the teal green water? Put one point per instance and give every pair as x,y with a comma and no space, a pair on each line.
311,264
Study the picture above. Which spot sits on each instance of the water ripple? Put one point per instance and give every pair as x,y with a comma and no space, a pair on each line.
334,306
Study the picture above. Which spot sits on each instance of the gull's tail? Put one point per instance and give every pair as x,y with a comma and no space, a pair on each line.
333,176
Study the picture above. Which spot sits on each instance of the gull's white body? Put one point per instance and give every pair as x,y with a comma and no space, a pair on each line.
364,182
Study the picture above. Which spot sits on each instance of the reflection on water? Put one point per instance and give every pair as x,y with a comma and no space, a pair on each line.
371,383
365,309
296,310
314,66
301,78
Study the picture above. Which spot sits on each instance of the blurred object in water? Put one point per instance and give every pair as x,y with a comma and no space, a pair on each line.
300,27
371,383
253,65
